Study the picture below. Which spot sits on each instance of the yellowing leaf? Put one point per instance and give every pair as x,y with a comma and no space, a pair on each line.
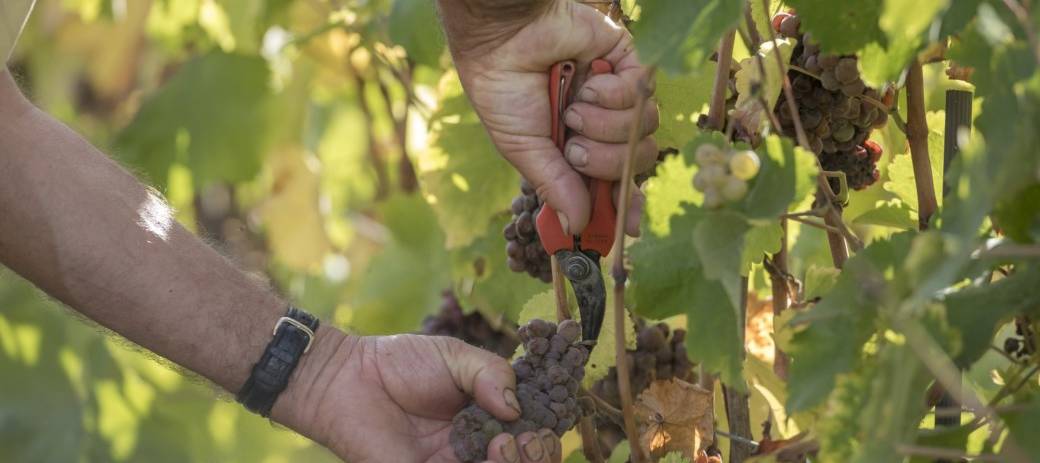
294,225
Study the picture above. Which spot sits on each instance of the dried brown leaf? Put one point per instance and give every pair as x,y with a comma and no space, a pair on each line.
675,416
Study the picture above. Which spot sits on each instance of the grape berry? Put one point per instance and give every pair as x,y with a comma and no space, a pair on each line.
523,247
723,177
548,376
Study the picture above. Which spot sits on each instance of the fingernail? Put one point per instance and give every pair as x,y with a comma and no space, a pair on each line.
577,155
564,223
573,120
534,450
509,451
588,95
548,442
510,396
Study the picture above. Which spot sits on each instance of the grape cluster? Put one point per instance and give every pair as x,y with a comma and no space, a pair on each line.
723,176
472,328
837,109
523,246
659,354
1022,345
547,375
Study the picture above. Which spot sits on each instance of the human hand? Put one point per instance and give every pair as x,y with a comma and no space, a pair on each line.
392,398
506,78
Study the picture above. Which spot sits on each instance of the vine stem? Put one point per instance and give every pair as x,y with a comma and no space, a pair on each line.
620,275
917,136
717,109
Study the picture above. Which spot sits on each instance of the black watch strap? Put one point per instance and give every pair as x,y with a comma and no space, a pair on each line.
293,335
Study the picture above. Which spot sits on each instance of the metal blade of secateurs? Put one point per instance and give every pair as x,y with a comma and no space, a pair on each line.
584,274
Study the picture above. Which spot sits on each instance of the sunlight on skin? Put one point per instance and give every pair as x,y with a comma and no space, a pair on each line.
155,216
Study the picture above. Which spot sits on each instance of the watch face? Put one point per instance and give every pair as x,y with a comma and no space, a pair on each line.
13,14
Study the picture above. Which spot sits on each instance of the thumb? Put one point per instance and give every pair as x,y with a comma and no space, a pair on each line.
556,182
486,377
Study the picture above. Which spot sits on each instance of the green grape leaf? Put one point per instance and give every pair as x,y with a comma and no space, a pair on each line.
682,34
1023,424
664,274
905,30
840,27
957,16
462,175
211,116
841,323
750,75
719,241
893,409
407,277
1019,217
760,240
414,25
713,334
680,98
976,312
787,176
901,171
819,281
893,213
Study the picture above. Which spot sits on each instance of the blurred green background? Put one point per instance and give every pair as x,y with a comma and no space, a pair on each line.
306,140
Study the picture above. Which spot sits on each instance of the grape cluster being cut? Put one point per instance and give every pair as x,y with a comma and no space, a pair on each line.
660,353
723,176
547,379
523,247
473,328
837,109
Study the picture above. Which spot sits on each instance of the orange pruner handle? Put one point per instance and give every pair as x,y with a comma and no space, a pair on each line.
599,234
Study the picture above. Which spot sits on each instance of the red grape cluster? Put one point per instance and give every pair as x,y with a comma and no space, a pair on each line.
472,328
547,376
523,246
837,109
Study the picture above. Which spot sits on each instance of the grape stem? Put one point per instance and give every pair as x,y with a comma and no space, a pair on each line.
813,223
621,275
563,312
917,136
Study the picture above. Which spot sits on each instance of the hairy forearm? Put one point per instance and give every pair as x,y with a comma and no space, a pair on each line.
89,234
476,25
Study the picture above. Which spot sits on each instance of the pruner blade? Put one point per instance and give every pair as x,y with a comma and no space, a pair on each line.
582,269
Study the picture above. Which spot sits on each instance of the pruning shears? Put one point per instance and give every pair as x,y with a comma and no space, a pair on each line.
579,255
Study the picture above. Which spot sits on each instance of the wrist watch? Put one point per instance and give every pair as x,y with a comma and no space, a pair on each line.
13,15
293,335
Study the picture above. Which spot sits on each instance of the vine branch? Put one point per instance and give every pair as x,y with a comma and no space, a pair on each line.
717,109
619,273
917,136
